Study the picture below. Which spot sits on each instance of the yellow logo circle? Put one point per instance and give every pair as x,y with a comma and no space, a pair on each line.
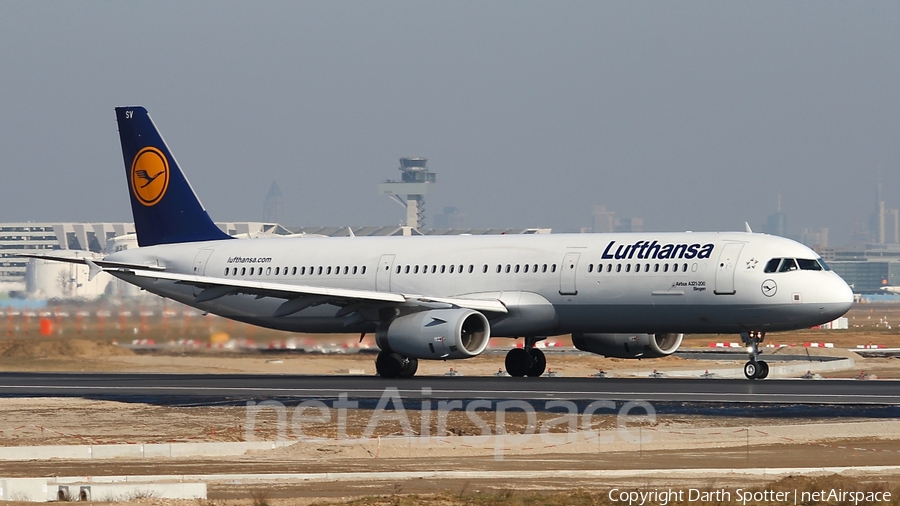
149,176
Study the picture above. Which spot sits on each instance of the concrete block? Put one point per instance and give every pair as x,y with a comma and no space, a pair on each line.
24,489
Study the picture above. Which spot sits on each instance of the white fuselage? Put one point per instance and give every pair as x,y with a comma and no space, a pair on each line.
551,284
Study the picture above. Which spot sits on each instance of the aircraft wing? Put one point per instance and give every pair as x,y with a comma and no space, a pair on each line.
305,295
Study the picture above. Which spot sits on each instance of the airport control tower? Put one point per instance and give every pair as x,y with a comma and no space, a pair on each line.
414,183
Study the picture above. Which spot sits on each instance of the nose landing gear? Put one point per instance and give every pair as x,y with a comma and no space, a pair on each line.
754,368
527,361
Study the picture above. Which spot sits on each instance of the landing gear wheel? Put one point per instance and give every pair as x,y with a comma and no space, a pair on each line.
763,370
409,370
518,362
538,364
751,369
389,365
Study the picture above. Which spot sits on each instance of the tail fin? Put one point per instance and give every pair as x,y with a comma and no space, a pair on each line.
165,208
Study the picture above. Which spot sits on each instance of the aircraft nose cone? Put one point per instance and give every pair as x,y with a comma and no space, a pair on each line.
841,298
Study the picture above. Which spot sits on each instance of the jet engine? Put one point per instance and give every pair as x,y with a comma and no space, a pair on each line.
438,334
628,345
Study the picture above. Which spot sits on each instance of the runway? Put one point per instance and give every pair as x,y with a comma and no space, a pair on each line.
223,388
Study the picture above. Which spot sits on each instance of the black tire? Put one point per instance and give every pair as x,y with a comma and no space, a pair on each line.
518,362
389,365
409,370
751,369
538,363
763,370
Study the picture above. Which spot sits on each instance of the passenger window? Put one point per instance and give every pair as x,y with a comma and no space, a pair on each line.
655,267
544,268
517,268
787,265
293,271
647,268
808,265
443,268
319,271
226,271
772,265
268,271
416,270
525,268
499,269
363,269
277,270
346,270
590,267
508,268
665,267
329,270
684,268
472,267
406,270
484,270
243,271
452,268
552,267
618,267
534,269
433,269
609,268
627,267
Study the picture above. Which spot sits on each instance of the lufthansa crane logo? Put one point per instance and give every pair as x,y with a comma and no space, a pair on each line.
769,288
149,176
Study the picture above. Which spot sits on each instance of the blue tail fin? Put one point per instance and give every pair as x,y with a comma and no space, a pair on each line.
164,205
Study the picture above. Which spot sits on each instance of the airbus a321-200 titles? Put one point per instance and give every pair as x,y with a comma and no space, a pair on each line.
628,295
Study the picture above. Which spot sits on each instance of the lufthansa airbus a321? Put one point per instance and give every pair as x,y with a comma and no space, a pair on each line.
442,297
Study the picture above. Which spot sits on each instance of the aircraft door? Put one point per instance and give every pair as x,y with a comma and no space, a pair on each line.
383,274
725,269
201,260
567,274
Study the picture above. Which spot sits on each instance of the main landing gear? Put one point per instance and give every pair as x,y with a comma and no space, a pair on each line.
527,361
754,368
392,365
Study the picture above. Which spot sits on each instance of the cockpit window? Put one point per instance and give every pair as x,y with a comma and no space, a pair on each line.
823,264
787,265
808,265
772,265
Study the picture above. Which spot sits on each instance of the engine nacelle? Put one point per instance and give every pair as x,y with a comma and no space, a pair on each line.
439,334
628,345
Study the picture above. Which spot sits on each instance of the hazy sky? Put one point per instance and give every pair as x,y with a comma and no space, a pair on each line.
692,115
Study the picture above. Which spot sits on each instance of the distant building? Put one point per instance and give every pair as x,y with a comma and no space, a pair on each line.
776,223
630,225
815,239
85,239
273,208
605,221
451,218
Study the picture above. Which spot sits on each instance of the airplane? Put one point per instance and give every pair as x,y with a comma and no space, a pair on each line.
890,289
625,295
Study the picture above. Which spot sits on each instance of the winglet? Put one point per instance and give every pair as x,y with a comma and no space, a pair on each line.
94,269
165,208
747,228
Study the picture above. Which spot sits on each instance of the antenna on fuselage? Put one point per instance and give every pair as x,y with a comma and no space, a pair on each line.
747,228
